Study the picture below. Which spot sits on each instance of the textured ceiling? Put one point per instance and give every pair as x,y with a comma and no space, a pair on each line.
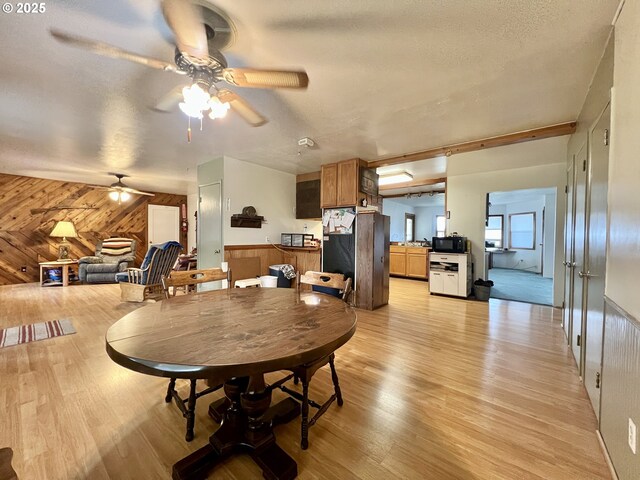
386,78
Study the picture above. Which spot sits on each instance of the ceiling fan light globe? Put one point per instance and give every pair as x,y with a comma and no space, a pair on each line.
196,97
114,196
190,111
124,196
218,108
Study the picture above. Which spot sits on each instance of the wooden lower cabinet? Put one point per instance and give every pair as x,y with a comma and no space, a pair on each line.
398,263
416,265
412,262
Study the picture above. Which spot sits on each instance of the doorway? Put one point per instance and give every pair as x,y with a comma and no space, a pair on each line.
414,219
163,224
519,225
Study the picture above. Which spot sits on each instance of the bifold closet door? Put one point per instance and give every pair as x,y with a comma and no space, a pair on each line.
581,166
568,250
594,276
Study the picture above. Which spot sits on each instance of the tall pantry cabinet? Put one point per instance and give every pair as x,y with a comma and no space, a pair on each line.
372,260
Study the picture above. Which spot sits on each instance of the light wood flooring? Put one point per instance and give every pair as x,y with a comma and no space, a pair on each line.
434,388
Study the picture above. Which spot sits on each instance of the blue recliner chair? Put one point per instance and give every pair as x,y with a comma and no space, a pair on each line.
138,284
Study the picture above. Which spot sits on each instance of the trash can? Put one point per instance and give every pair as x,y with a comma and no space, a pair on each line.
276,271
482,293
268,281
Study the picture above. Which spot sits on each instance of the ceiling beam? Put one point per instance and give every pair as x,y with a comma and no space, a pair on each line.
415,183
413,194
501,140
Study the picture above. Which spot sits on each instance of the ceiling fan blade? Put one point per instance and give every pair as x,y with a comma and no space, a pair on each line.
169,101
185,19
251,77
107,50
135,192
240,106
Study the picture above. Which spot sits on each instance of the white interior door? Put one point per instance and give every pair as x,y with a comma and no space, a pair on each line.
596,256
164,224
568,251
210,226
579,229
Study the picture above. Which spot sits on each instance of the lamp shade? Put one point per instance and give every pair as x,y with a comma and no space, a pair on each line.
64,229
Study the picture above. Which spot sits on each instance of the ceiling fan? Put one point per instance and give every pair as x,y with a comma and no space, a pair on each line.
205,66
119,192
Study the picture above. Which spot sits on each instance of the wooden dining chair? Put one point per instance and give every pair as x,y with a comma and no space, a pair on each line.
189,279
6,471
305,372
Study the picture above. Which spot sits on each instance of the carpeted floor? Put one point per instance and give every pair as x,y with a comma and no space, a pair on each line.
521,285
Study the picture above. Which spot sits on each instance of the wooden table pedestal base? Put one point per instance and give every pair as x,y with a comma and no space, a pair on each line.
247,427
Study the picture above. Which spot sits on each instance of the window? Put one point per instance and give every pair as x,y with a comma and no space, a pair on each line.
409,227
493,231
441,222
522,230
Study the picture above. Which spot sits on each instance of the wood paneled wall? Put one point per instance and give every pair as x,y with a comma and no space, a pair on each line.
24,237
302,260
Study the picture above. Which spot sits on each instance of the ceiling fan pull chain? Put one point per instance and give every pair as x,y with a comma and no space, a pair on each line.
189,130
200,123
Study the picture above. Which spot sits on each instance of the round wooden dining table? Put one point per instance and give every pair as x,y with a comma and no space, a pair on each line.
234,336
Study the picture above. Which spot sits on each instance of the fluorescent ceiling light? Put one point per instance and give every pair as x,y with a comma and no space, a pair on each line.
398,177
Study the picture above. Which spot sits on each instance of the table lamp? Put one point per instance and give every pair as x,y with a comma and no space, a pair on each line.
64,230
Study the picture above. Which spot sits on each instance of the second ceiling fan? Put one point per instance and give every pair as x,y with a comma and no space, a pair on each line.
207,68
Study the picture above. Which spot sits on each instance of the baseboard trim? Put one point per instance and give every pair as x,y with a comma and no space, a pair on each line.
605,452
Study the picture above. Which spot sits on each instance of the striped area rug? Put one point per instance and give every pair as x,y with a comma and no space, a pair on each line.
34,332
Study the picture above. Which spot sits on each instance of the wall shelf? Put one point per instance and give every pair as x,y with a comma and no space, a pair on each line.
246,221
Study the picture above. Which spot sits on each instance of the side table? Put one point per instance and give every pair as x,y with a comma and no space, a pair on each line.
62,265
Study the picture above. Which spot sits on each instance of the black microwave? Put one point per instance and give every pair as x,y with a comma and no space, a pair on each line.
449,244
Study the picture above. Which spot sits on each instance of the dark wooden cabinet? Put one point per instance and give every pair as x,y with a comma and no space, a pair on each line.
308,199
372,260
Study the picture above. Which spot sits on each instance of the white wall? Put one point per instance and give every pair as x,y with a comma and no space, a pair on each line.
396,211
466,195
426,221
623,256
271,192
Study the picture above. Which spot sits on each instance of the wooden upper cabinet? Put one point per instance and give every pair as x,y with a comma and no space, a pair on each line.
340,184
347,183
329,185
